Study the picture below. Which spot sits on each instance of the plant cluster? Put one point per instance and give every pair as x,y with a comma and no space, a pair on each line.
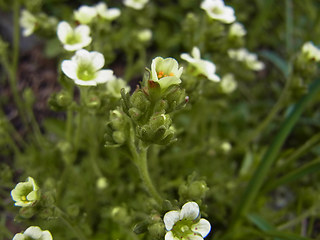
168,125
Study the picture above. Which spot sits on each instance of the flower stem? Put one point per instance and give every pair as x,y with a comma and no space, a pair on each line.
144,173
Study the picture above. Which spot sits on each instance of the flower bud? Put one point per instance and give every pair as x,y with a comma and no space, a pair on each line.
117,128
157,230
93,101
158,130
102,183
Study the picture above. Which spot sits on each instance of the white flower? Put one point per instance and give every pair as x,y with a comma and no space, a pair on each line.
203,67
228,83
114,87
250,59
237,30
144,35
107,13
73,39
166,72
218,11
26,194
311,52
136,4
84,68
186,223
33,233
28,22
85,14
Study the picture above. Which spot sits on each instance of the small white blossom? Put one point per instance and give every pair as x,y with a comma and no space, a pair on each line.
203,67
311,52
33,233
26,194
144,35
228,83
218,11
85,14
237,30
107,13
136,4
186,223
250,59
84,68
28,23
114,87
166,72
73,39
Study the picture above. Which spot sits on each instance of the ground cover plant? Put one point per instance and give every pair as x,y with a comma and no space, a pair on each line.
163,119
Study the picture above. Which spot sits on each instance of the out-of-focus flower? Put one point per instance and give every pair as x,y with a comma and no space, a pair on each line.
28,23
311,52
166,72
228,83
202,67
26,194
84,68
33,233
114,87
186,223
73,39
237,30
107,13
250,59
218,11
136,4
85,14
144,35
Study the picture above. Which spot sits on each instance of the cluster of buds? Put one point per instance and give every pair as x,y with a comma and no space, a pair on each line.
150,105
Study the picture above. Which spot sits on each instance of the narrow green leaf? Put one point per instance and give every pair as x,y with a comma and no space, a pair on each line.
296,174
279,62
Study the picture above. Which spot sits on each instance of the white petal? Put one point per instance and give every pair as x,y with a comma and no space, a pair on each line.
83,30
97,60
63,30
196,52
203,227
46,235
103,76
18,236
194,236
187,57
85,83
69,68
169,236
33,232
113,13
190,211
170,218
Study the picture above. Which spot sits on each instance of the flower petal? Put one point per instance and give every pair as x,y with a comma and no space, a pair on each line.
169,236
187,57
83,30
103,76
85,83
194,236
190,211
18,236
69,68
63,30
203,227
196,52
33,232
46,235
170,218
97,60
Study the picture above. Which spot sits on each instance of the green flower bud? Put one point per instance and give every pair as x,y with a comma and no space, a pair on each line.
63,98
102,183
93,101
158,130
114,87
140,100
26,194
120,214
28,96
198,189
27,212
73,210
176,98
157,230
119,137
117,128
141,227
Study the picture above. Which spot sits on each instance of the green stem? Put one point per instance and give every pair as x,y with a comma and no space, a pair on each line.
144,173
66,219
271,155
289,27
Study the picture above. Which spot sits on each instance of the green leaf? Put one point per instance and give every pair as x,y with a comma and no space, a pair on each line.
279,62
